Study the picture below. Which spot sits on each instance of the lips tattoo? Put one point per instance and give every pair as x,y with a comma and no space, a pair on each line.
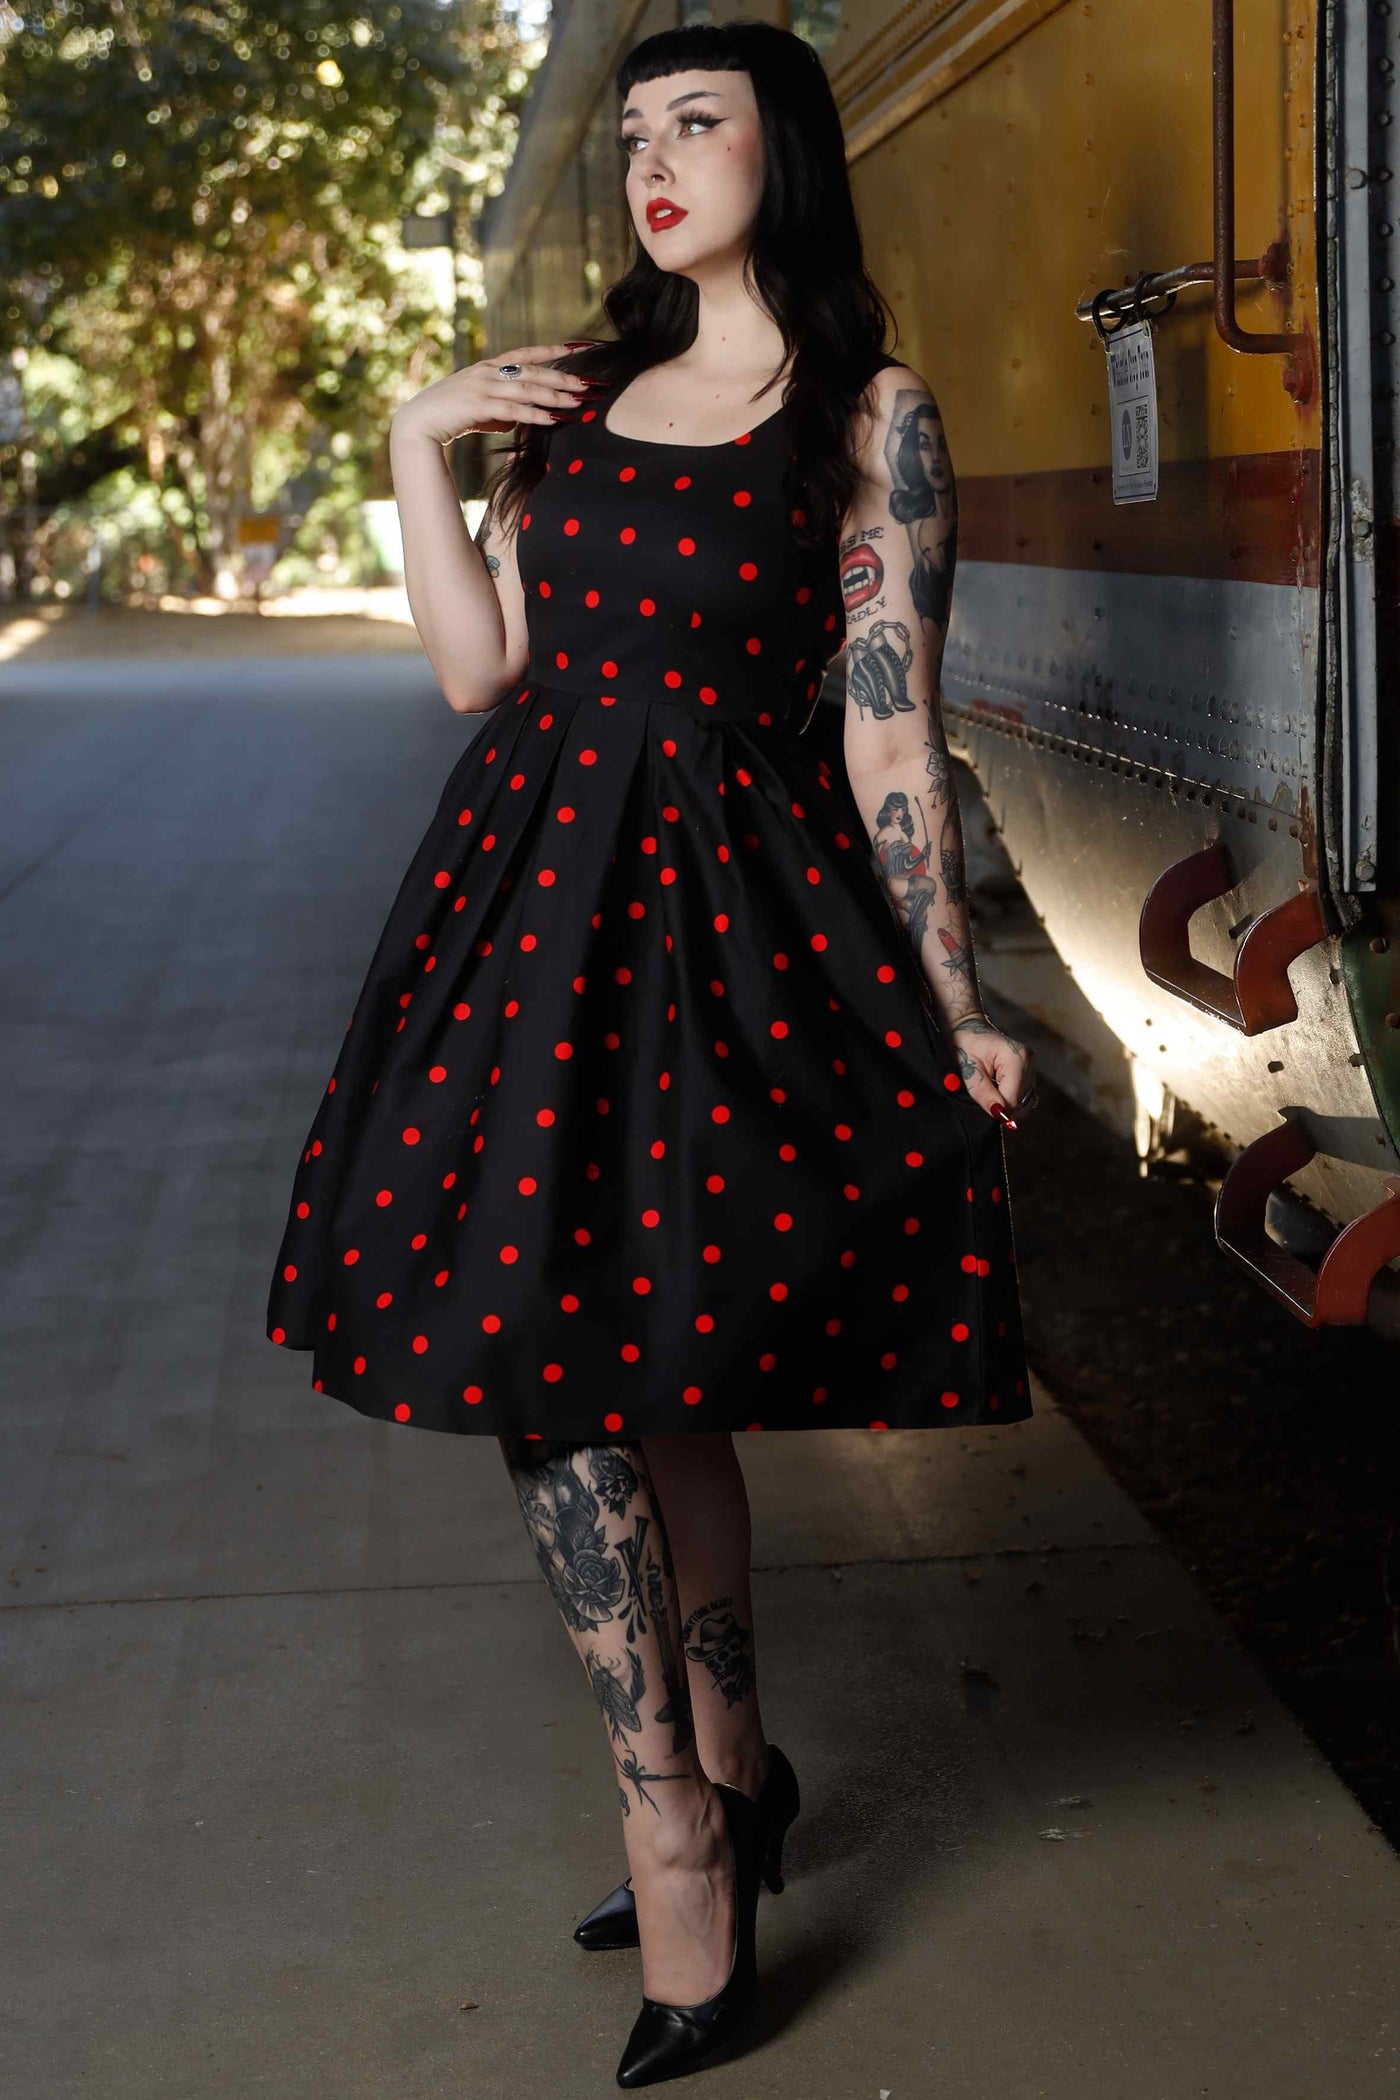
862,576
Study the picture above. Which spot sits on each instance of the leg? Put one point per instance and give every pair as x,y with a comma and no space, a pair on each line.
595,1520
701,1485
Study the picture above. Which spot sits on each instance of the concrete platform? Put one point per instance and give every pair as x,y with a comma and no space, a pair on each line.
298,1760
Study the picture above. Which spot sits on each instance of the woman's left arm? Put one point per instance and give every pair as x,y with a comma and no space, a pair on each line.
898,554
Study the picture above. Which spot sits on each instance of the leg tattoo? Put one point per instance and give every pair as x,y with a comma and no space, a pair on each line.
616,1597
715,1638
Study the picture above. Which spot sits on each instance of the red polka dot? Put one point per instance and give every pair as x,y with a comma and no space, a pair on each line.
420,1343
742,498
402,1411
627,535
437,1073
411,1134
472,1395
685,546
442,880
753,645
553,1372
571,526
949,1399
960,1331
748,570
384,1198
673,679
682,481
351,1256
612,1422
692,1396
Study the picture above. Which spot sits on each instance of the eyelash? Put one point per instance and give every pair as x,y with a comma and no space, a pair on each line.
625,141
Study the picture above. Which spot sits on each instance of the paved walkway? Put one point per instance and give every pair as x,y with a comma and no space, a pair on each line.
305,623
307,1789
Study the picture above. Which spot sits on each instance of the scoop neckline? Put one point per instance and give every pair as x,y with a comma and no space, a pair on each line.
670,444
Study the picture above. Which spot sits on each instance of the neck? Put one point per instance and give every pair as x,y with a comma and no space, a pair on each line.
733,331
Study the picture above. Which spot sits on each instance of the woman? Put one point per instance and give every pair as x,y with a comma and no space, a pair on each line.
648,1125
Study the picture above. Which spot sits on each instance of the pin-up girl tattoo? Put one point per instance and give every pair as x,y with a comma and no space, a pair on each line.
923,497
901,860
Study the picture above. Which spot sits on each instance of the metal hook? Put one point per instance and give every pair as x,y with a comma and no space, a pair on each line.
1094,315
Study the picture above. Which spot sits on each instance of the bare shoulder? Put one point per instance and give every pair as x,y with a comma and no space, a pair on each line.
902,413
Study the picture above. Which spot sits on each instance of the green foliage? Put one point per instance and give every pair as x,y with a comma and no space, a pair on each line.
199,209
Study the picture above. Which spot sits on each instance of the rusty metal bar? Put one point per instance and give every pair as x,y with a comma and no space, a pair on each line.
1119,298
1337,1292
1257,995
1223,147
1225,269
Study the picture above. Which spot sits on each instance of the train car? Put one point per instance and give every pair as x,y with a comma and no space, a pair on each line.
1146,259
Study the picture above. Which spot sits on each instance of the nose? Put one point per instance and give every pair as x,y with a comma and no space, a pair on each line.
653,165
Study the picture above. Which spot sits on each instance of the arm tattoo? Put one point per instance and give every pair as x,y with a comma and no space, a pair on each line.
940,773
861,570
877,670
901,858
954,886
923,498
957,959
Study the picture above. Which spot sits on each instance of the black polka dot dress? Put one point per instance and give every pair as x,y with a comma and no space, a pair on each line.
644,1121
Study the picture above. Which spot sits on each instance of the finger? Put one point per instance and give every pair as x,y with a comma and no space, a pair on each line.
534,402
982,1089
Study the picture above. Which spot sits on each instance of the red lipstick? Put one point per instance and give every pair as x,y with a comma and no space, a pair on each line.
662,212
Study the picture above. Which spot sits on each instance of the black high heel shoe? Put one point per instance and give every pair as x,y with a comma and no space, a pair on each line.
613,1922
668,2040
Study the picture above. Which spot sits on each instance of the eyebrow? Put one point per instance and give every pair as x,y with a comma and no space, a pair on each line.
689,96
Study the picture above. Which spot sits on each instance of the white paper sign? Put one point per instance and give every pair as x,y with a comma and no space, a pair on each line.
1132,412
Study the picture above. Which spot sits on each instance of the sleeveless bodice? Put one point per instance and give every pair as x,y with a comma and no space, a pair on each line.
671,573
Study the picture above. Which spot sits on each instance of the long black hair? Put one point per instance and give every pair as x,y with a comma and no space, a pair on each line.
805,263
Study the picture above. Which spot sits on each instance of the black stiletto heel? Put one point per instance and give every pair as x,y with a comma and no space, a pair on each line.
779,1803
613,1922
668,2040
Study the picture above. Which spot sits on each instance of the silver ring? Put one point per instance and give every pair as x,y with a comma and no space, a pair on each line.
510,371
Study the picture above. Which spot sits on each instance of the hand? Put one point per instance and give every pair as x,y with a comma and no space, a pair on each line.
996,1069
477,398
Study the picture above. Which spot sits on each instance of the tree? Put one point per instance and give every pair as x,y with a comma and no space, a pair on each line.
201,203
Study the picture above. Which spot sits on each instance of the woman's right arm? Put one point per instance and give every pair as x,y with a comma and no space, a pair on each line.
466,597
